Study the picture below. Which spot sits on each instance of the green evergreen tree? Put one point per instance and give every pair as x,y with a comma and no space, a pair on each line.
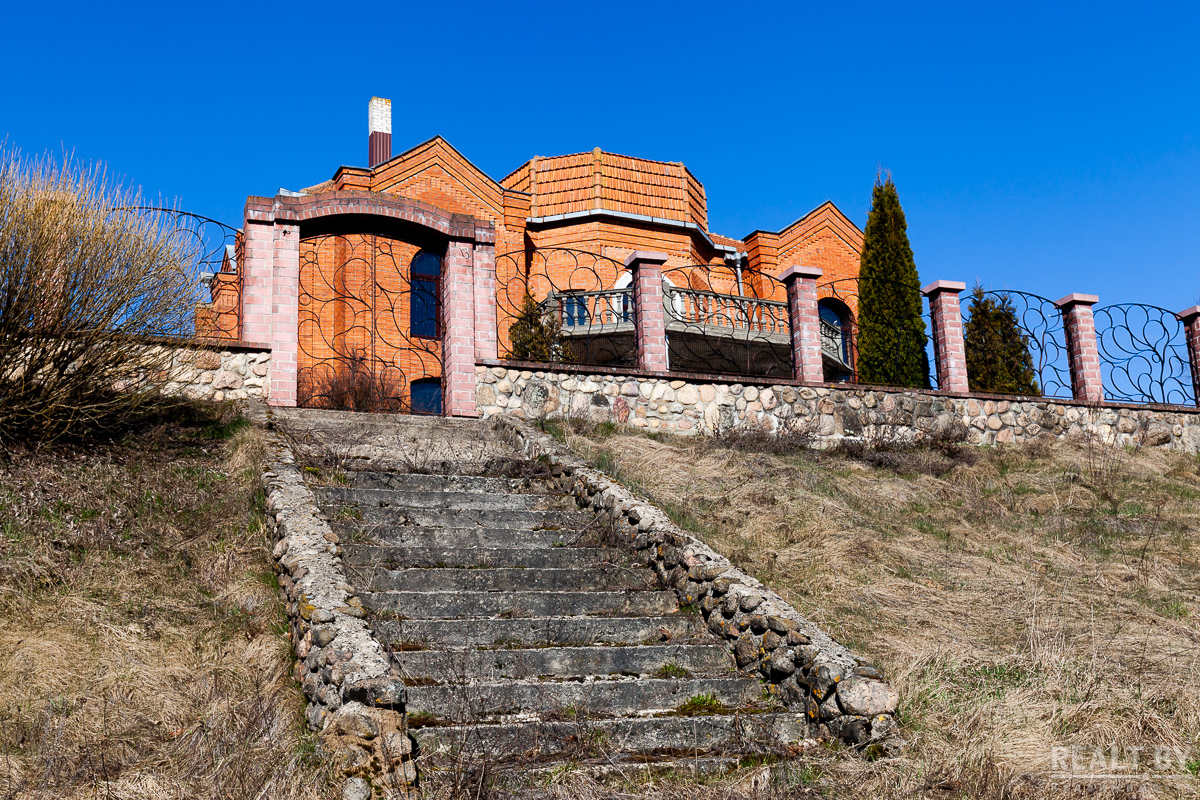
536,335
998,358
891,331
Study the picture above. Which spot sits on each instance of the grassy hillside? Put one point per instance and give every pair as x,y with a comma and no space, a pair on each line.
141,646
1021,598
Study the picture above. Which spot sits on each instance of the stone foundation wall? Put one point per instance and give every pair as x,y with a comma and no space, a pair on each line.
692,407
202,374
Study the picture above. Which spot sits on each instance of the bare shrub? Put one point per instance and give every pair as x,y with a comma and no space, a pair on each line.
351,383
792,437
84,281
935,453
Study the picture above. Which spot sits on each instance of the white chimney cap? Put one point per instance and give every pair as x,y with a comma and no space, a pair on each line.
379,116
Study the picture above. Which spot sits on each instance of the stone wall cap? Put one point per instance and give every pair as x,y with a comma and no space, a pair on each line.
1189,314
801,271
645,256
943,286
1077,299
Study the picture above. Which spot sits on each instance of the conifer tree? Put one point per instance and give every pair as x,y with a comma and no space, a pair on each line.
536,335
998,358
891,331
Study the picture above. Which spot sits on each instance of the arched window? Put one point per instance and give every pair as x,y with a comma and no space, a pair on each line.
425,279
426,396
835,329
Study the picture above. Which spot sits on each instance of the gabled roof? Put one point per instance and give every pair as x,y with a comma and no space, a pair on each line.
826,215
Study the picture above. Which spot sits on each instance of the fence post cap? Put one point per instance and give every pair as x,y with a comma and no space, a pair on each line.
645,257
938,287
1077,299
800,271
1189,314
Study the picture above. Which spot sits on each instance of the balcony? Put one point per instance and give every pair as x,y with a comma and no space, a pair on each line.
706,331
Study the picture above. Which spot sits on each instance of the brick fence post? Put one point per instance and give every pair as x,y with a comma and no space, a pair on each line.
948,348
458,330
649,313
1080,327
285,313
486,342
1191,325
804,320
257,267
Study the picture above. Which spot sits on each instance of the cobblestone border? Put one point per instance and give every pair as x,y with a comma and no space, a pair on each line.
355,693
842,695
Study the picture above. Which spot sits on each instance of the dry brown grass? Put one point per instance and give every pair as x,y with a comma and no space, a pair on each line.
1042,596
141,646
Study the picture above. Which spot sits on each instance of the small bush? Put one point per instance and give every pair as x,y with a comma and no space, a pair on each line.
536,335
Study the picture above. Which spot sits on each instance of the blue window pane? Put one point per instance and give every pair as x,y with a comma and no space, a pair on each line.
575,311
830,316
427,264
427,396
423,312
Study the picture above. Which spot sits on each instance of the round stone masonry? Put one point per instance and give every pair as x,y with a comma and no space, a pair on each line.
828,414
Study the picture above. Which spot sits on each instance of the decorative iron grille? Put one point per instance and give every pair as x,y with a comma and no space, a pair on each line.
1041,322
1143,355
563,305
362,326
726,321
217,249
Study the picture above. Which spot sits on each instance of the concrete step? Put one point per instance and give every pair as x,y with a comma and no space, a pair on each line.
664,660
465,605
619,767
354,531
680,736
533,632
439,518
615,697
340,496
547,557
502,579
410,482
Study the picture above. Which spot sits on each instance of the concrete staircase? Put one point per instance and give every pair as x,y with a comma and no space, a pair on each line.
526,634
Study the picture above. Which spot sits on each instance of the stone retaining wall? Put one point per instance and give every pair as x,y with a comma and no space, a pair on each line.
842,695
355,692
202,374
690,407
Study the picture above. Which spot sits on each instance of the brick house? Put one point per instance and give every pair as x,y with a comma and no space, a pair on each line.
380,265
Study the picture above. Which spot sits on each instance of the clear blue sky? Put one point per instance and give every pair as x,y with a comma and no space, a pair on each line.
1039,147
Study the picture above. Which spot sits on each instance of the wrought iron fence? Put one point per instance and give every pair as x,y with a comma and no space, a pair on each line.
564,305
1143,355
720,320
846,292
1041,323
368,329
217,249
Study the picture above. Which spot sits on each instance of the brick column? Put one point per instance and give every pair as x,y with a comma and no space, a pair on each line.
948,347
458,331
285,313
649,314
1191,324
805,322
257,267
486,344
1084,353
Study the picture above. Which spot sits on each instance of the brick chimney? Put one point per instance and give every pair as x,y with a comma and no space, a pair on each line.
379,124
